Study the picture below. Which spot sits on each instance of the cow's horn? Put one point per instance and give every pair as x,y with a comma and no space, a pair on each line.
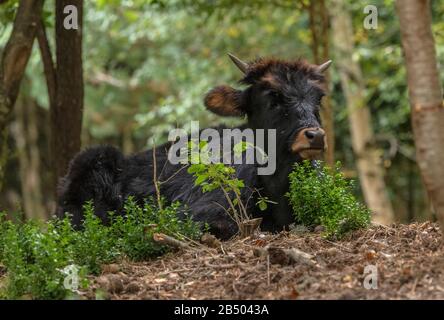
324,66
243,66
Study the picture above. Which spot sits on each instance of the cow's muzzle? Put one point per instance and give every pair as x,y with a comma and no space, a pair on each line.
310,143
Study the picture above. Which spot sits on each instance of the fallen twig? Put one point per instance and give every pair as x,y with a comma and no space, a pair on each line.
220,266
285,256
170,241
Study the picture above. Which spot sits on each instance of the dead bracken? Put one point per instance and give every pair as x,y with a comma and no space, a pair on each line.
409,260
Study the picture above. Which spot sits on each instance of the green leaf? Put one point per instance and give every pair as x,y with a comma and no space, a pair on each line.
200,179
262,205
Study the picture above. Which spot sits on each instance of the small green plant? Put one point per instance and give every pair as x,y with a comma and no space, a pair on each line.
219,176
211,175
33,259
134,230
36,255
322,196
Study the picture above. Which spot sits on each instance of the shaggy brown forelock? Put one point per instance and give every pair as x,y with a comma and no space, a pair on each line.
271,70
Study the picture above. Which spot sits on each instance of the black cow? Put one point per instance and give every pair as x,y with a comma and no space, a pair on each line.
281,95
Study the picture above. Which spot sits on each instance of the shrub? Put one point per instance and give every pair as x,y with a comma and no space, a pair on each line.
36,255
322,196
134,231
32,258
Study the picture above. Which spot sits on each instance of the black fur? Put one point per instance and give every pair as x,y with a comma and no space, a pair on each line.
289,103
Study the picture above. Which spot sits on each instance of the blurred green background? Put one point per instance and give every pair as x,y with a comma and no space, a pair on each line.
148,64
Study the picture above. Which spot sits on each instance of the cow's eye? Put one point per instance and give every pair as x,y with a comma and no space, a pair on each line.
276,97
274,94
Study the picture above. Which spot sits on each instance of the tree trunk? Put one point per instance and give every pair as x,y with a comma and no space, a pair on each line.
369,165
319,26
25,132
13,64
66,116
426,96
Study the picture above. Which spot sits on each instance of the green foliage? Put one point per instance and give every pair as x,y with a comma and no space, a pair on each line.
94,245
155,93
324,197
216,176
35,255
263,202
7,12
210,175
146,72
134,231
33,259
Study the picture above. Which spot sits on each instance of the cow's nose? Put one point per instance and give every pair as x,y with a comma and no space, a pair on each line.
316,138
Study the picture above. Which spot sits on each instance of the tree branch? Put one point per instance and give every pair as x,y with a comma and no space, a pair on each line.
14,60
48,62
19,46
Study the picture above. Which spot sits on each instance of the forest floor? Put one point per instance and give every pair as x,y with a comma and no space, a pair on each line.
409,260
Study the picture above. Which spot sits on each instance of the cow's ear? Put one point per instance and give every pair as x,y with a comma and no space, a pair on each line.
224,101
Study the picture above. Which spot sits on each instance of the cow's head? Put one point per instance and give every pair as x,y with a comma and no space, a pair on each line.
281,95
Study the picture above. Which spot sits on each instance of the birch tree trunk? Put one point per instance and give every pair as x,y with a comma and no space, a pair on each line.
371,173
426,96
